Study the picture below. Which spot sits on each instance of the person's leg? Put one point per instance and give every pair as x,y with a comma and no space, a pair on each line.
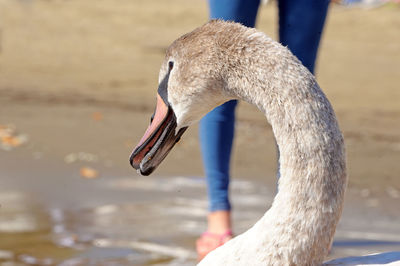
217,127
300,27
216,137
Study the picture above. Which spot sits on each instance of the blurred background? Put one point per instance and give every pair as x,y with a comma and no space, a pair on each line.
77,89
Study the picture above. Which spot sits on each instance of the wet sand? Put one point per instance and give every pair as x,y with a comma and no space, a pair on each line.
79,79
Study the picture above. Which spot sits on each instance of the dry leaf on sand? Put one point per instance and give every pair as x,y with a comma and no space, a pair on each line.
89,173
97,116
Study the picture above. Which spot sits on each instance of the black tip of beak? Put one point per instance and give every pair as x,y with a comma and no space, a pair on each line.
147,172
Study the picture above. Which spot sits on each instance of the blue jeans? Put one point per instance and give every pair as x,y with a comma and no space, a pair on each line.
300,26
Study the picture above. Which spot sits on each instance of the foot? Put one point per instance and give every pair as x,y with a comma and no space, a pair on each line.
210,241
218,233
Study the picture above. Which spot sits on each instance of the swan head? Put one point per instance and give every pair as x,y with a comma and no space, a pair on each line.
190,85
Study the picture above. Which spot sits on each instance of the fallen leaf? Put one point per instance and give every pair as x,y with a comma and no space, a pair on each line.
89,173
97,116
11,141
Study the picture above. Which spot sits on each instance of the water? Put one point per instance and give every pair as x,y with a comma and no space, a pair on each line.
159,229
157,224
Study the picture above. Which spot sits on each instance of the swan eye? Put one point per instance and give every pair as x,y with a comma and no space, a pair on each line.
170,65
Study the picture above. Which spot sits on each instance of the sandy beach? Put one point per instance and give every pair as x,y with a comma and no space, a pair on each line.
77,89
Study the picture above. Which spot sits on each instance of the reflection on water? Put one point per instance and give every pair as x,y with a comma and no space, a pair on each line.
160,230
25,232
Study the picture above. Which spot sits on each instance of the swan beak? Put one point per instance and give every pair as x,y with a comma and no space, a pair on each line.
158,139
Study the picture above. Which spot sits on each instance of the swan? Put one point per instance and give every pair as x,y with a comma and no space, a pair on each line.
221,61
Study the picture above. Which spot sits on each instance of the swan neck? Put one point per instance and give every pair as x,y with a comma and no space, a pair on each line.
307,207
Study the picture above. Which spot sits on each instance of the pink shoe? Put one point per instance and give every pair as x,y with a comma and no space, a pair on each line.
210,241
